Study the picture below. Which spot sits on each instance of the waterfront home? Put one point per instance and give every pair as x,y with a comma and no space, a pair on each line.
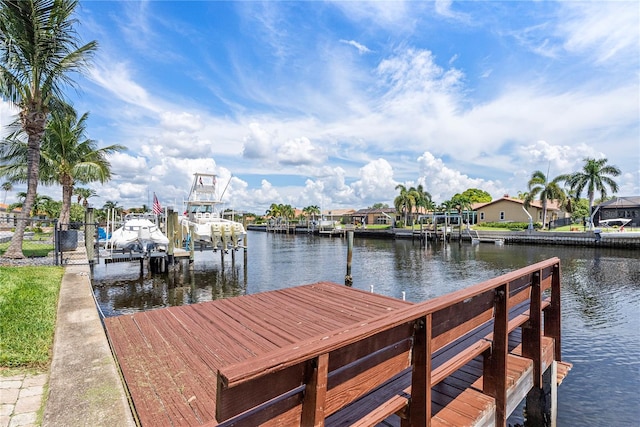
380,216
342,216
620,207
508,209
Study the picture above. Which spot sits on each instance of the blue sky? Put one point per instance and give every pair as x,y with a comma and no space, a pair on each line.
335,103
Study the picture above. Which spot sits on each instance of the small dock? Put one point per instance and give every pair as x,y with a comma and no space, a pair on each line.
327,354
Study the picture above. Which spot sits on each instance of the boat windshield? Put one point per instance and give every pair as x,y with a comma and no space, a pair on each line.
201,209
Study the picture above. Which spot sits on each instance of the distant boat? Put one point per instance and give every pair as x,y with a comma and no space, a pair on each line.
139,233
202,222
619,233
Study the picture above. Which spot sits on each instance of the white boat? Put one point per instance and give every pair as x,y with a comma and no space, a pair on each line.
608,232
202,222
139,232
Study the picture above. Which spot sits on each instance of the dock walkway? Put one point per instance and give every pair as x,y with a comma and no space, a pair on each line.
170,357
326,354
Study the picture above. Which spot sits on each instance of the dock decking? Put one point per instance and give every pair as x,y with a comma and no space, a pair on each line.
326,354
170,357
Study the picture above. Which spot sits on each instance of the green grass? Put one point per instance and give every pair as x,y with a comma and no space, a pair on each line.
28,304
30,249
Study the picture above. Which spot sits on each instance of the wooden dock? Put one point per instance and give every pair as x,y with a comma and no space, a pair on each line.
326,354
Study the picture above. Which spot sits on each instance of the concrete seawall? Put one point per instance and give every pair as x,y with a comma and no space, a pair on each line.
569,238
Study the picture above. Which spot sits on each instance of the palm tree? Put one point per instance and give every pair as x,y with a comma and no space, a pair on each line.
39,204
84,194
6,187
40,49
311,211
595,177
422,198
538,185
66,157
405,201
111,206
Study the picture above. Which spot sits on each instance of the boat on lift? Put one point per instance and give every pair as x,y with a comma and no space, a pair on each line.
609,232
139,233
203,223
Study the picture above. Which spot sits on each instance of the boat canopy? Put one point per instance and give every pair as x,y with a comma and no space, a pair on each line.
614,221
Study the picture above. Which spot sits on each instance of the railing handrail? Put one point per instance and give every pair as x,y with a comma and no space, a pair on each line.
311,348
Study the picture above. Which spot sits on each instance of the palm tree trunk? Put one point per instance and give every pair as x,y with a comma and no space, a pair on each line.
34,122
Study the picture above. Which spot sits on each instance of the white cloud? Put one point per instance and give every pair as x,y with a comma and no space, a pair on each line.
300,151
181,121
376,182
443,182
605,30
258,144
360,47
116,79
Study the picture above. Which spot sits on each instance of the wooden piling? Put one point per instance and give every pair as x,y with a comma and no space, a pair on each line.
171,234
348,279
542,403
192,251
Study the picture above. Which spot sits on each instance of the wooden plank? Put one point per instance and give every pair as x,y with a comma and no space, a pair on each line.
367,346
313,405
232,401
532,331
552,315
420,408
376,406
496,364
362,383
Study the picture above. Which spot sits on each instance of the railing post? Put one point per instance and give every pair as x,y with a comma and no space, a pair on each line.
495,365
532,330
552,314
420,403
315,393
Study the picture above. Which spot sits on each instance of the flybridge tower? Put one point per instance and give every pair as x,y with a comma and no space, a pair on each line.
204,188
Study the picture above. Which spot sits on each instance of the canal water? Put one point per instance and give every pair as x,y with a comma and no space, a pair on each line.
600,298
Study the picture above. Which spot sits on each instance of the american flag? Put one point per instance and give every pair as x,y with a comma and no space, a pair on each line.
157,209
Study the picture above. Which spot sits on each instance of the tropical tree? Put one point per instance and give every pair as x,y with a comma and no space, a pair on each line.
405,201
476,195
6,187
83,195
379,205
311,211
539,186
40,50
66,157
111,206
422,198
38,206
281,211
461,203
595,176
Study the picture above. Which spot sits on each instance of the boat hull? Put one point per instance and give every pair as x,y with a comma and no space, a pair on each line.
138,234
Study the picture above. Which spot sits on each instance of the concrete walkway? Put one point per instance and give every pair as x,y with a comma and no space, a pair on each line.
85,388
84,384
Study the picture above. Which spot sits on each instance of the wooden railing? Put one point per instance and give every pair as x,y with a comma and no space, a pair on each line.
365,373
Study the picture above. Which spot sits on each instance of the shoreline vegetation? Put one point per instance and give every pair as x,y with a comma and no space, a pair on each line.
28,309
